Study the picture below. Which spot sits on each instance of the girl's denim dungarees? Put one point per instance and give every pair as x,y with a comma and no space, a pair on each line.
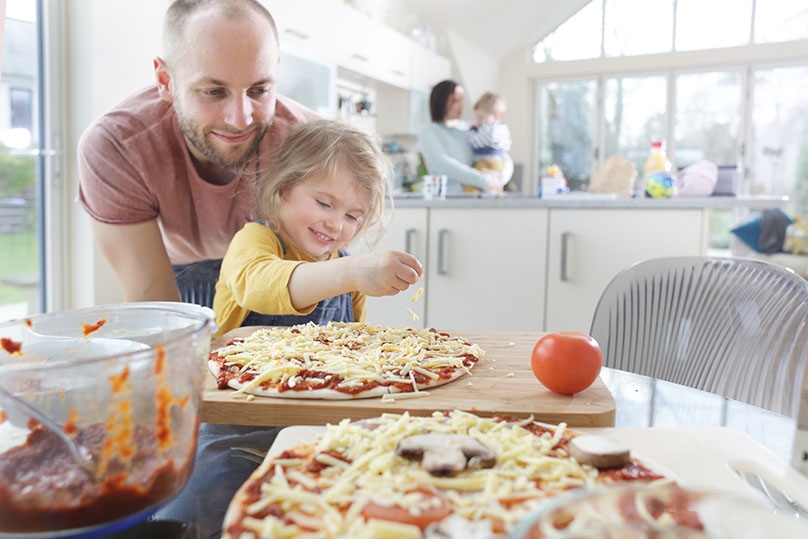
336,309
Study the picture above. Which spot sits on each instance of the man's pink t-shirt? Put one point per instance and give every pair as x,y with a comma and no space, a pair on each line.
134,166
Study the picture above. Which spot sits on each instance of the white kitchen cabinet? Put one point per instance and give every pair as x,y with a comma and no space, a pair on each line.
427,68
407,232
372,50
486,268
392,57
401,112
299,31
333,31
588,247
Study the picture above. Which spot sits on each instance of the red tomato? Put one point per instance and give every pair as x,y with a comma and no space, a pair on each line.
434,512
566,362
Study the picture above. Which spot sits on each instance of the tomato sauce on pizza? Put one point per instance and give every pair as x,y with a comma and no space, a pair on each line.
397,475
341,361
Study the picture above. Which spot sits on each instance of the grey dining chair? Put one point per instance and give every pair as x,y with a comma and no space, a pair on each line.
731,326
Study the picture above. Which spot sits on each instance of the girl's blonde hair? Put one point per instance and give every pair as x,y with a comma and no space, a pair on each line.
319,148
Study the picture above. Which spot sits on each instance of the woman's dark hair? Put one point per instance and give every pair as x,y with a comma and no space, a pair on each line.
439,98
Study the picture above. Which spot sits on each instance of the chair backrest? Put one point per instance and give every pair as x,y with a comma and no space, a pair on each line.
197,281
731,326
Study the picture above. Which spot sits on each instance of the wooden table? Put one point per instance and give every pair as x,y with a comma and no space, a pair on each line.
501,383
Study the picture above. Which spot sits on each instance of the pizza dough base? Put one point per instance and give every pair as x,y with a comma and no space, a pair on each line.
327,393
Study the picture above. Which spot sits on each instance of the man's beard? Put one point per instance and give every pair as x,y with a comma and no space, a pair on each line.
201,141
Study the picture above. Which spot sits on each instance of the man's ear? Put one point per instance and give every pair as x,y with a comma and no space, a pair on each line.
163,78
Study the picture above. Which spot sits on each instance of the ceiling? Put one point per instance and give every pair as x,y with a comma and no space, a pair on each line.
501,27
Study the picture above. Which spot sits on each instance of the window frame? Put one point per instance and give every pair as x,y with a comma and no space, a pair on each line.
746,59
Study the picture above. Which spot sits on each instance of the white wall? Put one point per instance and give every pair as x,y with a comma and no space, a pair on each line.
110,48
517,90
474,68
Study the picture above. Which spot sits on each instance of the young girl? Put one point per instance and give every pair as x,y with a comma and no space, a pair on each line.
328,185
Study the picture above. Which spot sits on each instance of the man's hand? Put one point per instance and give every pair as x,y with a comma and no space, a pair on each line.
138,257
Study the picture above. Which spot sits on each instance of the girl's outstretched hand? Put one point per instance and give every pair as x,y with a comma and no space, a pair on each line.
384,273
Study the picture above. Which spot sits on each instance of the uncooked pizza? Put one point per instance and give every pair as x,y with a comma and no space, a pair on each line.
341,361
451,474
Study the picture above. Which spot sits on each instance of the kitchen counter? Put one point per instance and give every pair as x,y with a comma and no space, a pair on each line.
568,248
586,200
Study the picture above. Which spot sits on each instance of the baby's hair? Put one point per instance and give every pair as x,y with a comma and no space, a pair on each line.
321,147
489,103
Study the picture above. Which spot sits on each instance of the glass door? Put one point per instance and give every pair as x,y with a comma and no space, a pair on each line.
20,216
31,238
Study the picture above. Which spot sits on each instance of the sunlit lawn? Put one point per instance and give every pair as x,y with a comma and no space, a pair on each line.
19,257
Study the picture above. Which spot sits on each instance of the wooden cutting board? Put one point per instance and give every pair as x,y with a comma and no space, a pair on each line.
501,383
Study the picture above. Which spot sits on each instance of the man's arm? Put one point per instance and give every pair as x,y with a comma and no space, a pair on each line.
138,256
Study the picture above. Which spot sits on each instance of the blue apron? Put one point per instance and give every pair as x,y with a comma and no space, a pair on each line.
335,309
197,281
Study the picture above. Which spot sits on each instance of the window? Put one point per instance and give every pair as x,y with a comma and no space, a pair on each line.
779,150
708,24
21,165
634,112
781,20
637,27
707,118
737,104
577,38
567,127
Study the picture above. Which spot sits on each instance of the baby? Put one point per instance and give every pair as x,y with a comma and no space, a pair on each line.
489,137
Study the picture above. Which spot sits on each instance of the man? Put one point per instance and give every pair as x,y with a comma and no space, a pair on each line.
167,176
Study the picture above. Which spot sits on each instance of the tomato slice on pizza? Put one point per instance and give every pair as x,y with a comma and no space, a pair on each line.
397,475
341,361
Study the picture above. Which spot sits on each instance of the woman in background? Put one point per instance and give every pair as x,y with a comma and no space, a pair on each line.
445,146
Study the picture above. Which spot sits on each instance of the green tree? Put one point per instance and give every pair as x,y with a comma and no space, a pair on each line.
17,174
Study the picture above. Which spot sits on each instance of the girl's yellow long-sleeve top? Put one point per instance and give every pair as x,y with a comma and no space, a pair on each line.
255,277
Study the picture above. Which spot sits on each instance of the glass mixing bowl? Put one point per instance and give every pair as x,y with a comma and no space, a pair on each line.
99,413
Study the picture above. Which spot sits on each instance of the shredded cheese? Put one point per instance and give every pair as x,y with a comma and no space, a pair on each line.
529,469
357,353
393,397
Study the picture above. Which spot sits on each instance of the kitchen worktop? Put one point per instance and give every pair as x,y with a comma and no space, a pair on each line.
586,200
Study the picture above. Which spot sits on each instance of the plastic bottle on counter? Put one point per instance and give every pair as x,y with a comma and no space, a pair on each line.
657,161
552,182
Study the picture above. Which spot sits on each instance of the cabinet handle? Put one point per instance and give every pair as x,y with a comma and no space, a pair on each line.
443,234
408,237
398,72
360,57
300,34
565,236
